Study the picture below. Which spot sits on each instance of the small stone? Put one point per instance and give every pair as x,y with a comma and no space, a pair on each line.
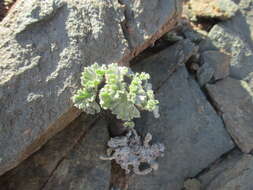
205,74
219,61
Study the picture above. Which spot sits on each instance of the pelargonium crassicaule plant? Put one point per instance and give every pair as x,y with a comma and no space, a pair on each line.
118,89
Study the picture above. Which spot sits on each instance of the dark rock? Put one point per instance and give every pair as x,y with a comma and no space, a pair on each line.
219,61
34,172
82,169
43,48
205,74
193,134
192,184
235,37
167,61
191,34
234,173
215,65
234,99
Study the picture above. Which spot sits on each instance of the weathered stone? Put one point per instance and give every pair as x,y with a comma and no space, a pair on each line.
234,99
215,65
168,60
82,169
235,37
221,9
219,61
217,168
191,34
192,184
235,173
43,48
193,134
34,172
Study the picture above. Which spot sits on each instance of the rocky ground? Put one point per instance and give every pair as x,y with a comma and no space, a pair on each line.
201,71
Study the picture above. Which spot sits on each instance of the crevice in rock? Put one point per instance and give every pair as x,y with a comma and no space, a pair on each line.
124,26
220,159
159,45
216,108
168,26
76,143
206,24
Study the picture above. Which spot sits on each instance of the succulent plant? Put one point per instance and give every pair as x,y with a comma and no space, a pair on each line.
118,89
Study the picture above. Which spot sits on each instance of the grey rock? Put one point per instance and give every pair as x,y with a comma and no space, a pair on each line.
234,99
235,37
34,172
235,174
82,169
192,34
214,64
221,165
193,134
219,61
43,47
168,60
205,74
221,9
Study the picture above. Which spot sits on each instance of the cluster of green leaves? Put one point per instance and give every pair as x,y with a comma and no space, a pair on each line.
118,89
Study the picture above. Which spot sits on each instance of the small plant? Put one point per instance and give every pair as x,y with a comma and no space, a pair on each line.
117,89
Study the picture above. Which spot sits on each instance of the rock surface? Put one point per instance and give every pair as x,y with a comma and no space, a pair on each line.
43,48
219,9
235,37
234,173
193,134
34,172
219,61
82,169
214,64
234,99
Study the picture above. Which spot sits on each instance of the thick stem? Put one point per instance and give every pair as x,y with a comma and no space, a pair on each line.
115,126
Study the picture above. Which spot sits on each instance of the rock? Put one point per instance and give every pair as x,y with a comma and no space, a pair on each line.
237,176
235,37
34,172
192,184
219,61
219,9
224,163
43,48
214,64
82,169
168,59
234,99
205,74
193,134
191,34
